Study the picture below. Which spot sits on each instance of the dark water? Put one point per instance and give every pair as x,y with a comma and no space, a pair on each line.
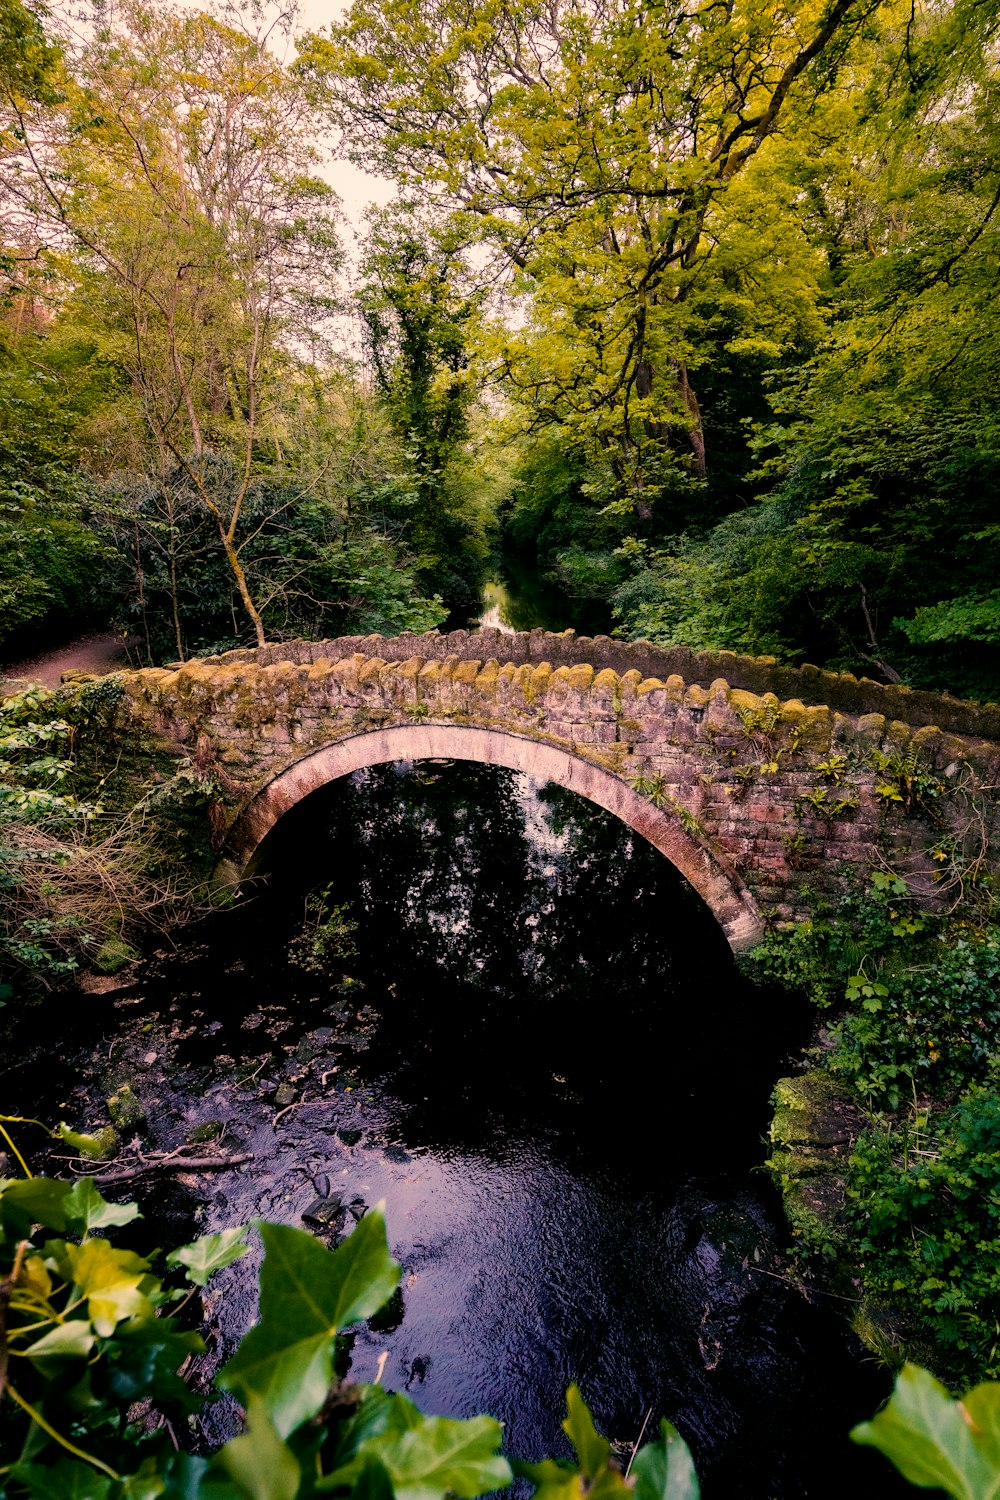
518,597
541,1057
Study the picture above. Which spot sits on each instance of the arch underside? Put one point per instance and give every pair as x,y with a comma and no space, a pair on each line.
721,890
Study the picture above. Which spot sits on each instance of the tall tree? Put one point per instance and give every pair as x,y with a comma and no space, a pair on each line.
181,171
607,153
418,315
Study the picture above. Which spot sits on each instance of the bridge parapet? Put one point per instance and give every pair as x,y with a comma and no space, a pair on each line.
777,798
841,691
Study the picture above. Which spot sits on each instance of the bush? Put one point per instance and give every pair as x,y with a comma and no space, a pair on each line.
924,1205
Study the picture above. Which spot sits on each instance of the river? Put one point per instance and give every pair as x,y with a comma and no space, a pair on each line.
491,1006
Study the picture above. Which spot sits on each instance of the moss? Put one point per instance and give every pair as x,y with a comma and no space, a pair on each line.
467,671
125,1109
112,956
812,1131
812,728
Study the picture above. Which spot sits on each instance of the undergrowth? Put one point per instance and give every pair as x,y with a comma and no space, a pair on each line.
910,1005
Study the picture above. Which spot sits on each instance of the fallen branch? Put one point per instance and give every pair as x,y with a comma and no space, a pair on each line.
172,1163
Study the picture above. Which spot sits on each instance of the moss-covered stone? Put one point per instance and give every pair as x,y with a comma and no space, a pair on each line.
125,1109
812,1131
112,956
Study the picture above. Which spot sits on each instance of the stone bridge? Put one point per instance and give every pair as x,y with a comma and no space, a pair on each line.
765,786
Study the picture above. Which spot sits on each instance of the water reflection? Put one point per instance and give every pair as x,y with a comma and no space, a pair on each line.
521,599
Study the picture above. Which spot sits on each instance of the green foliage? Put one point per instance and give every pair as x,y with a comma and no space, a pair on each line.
931,1027
314,573
923,1205
913,1039
418,315
89,1330
307,1297
327,934
27,58
51,559
936,1442
91,1338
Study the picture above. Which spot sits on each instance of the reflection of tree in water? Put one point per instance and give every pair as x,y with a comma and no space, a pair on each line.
532,959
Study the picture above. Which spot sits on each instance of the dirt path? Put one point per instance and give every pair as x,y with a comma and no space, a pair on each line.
88,653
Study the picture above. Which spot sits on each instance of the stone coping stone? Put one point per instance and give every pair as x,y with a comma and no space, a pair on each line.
841,691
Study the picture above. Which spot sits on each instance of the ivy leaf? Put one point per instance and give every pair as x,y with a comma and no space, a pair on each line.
935,1441
210,1253
73,1339
597,1476
144,1359
37,1200
441,1455
379,1411
592,1450
63,1481
92,1146
553,1479
263,1467
85,1209
307,1295
664,1470
110,1279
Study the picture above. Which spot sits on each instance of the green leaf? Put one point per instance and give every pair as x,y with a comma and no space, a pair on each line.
443,1456
92,1146
592,1450
935,1441
553,1479
210,1253
664,1470
41,1199
110,1280
263,1467
144,1360
598,1477
307,1295
63,1481
85,1209
73,1339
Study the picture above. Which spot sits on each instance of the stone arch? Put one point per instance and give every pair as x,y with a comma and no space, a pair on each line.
719,887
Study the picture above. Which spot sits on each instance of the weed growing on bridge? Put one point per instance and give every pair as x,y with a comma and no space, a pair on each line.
654,787
906,781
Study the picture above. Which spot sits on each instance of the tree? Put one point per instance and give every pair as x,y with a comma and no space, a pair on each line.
612,156
417,318
180,170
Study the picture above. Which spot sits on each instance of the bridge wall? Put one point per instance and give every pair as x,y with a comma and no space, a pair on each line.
778,800
841,691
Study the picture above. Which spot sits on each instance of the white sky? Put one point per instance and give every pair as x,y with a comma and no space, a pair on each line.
356,188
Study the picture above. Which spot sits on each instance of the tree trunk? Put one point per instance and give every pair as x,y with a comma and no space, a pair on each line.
233,558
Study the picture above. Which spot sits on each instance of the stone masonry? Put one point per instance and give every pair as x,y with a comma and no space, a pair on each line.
763,801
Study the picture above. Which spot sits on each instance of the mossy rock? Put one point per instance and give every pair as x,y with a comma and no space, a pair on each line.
125,1109
112,956
812,1132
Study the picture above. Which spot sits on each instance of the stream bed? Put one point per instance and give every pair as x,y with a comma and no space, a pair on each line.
492,1007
